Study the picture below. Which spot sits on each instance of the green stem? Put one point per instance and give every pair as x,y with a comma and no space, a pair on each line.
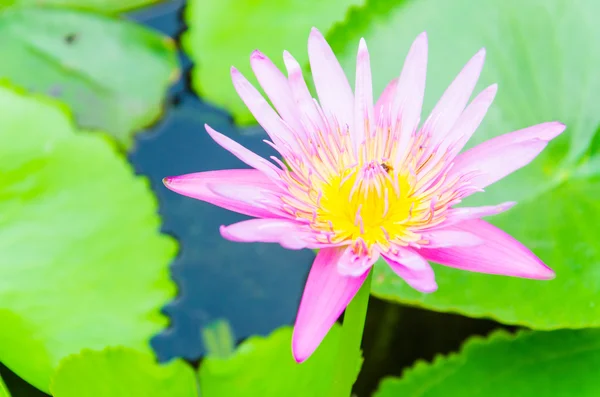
348,359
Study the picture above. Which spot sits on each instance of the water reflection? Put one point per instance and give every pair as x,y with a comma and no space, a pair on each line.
255,286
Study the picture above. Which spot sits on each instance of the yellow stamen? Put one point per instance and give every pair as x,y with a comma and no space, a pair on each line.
370,203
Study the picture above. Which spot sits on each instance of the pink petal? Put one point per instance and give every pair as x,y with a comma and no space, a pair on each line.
498,254
443,238
410,90
331,83
413,269
471,118
245,155
384,102
447,111
288,233
262,190
500,156
307,108
353,264
262,111
458,215
326,295
363,101
277,88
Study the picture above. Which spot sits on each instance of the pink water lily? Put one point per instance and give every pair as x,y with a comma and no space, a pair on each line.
364,181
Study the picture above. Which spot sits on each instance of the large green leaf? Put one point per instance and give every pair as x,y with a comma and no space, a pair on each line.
122,373
3,389
105,6
114,74
265,367
223,33
542,364
545,56
83,264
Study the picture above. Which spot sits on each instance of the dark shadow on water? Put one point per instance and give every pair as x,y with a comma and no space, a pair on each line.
396,336
17,386
255,286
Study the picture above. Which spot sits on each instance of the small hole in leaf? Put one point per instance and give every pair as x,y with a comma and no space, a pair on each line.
70,38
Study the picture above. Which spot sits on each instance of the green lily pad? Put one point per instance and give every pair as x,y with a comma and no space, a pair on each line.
113,74
265,367
83,262
223,33
104,6
545,57
3,389
118,372
543,364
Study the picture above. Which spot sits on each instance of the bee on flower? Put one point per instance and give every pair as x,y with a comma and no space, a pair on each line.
364,180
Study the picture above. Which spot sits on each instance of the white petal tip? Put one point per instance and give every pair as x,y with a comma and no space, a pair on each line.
362,44
540,272
224,233
480,54
548,274
290,62
315,32
211,131
419,46
363,52
560,127
428,289
550,130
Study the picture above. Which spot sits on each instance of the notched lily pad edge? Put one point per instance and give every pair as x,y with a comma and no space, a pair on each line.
421,365
156,315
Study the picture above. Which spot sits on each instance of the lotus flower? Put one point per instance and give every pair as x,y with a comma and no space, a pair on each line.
362,181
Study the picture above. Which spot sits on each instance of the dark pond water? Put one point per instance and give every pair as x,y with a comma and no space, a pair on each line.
256,287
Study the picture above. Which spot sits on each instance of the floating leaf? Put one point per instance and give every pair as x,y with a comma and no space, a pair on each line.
542,364
265,367
104,6
224,32
122,373
114,74
545,56
83,264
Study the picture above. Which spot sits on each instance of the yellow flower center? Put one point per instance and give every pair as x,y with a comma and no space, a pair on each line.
371,203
